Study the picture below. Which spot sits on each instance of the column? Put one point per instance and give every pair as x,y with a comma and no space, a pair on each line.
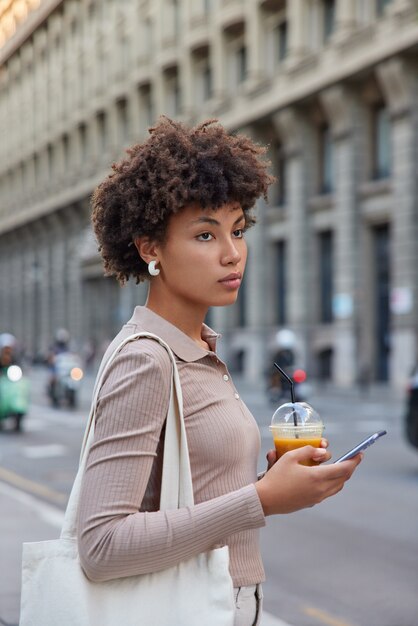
77,217
339,106
399,83
345,19
134,114
253,42
27,294
296,137
296,20
8,281
41,294
218,57
186,82
16,319
58,260
156,11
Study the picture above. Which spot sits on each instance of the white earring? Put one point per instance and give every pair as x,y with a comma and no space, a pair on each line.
152,269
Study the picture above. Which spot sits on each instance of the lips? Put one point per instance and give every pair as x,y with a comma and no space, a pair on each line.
232,281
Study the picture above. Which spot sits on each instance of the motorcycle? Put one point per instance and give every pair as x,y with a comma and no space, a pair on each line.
14,395
278,390
66,380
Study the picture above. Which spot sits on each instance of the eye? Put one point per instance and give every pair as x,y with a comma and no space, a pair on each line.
204,237
239,233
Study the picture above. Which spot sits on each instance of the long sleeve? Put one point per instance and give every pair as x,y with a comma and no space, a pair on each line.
117,537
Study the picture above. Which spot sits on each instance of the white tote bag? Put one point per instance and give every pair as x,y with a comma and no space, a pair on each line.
197,592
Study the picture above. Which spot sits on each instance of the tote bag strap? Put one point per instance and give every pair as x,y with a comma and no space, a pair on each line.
176,484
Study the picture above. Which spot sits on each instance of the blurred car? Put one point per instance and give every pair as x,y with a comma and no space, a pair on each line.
411,412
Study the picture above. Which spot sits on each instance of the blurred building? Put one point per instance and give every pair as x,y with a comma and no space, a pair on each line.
331,86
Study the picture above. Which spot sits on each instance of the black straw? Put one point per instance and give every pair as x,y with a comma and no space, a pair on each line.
292,391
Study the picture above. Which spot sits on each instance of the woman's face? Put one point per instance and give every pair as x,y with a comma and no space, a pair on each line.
202,259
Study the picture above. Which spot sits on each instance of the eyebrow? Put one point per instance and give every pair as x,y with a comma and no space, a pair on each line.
211,220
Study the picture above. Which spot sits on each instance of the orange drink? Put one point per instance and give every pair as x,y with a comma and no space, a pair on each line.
285,444
288,436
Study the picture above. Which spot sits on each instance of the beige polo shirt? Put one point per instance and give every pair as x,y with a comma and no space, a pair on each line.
121,532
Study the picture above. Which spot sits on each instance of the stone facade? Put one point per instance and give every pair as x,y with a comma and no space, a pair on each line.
331,87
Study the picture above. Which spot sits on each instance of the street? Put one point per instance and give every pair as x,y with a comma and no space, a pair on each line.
351,561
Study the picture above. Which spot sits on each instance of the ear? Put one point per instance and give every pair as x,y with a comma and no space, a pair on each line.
147,249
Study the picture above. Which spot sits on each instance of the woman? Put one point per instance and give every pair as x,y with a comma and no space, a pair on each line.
175,212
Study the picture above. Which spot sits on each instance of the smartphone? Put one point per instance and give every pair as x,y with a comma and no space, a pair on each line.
361,446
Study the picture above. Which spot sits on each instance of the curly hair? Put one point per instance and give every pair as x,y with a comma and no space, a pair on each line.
175,167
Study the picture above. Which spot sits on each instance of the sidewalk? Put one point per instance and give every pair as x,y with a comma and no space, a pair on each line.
45,523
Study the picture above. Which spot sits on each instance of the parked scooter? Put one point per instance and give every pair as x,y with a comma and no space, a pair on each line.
65,382
14,386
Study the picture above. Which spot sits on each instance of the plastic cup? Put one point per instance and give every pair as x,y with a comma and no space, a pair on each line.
289,436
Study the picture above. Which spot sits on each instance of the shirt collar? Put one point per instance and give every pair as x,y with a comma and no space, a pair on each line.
182,345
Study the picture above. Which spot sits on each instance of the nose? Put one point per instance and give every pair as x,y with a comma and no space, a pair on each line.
231,254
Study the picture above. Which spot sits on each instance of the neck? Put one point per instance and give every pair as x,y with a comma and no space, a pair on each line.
188,319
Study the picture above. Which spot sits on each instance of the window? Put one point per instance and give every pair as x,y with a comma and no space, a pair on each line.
241,303
282,41
381,6
37,169
173,94
19,179
207,87
50,161
241,60
329,18
325,364
102,131
381,157
281,176
325,276
176,17
125,52
147,37
381,288
171,20
202,70
66,151
326,160
123,120
82,135
26,175
281,269
146,104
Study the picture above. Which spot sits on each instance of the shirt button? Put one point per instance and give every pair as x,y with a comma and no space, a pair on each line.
226,377
236,396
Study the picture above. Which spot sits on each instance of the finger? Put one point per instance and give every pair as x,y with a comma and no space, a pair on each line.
324,443
307,453
338,471
319,457
352,463
271,456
